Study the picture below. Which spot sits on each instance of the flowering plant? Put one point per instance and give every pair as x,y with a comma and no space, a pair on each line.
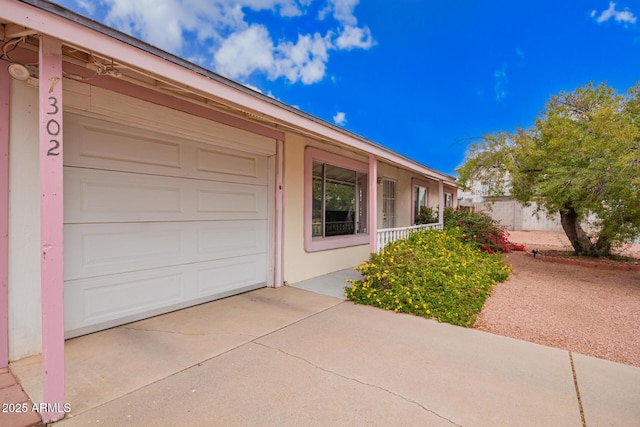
480,229
430,274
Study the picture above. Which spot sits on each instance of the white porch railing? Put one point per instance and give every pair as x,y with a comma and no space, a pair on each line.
388,235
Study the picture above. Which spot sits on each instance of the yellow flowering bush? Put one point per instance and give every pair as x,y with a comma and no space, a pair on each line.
433,274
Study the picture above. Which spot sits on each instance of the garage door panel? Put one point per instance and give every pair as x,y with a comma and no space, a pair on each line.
92,142
127,294
235,201
226,275
99,249
108,196
109,300
99,144
223,239
215,164
95,196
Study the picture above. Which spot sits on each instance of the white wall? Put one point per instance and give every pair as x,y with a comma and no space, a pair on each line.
513,216
25,328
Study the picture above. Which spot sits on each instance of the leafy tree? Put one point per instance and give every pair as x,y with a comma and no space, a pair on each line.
580,160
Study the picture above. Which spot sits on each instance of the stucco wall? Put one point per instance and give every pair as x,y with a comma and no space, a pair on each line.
25,328
299,264
513,216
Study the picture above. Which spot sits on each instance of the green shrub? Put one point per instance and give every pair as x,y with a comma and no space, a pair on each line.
427,216
480,229
431,274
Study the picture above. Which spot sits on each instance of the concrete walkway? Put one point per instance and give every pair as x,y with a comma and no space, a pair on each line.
291,357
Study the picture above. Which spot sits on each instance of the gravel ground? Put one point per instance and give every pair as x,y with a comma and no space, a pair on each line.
581,309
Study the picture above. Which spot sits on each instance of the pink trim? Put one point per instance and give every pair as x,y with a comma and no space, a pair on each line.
373,203
279,216
311,244
440,202
159,98
46,23
51,225
5,84
146,94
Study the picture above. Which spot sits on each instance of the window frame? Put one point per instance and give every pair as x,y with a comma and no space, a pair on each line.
314,244
448,193
415,183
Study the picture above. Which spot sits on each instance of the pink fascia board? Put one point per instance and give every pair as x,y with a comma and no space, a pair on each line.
51,226
311,244
131,89
4,213
105,45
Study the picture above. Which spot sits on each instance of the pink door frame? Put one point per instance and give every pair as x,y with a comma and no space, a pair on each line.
4,213
51,227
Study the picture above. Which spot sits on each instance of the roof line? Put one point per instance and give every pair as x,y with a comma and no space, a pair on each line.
94,25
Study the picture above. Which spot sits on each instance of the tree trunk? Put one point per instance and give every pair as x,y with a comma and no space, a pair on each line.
579,240
603,246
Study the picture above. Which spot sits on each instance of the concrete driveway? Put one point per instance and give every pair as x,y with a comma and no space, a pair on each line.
291,357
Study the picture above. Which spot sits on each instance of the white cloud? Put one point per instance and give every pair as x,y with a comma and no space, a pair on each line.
354,37
520,54
622,16
87,5
305,60
340,118
239,48
342,11
350,36
500,80
245,52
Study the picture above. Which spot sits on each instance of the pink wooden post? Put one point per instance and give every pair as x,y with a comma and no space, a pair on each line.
51,227
279,222
373,203
4,214
440,202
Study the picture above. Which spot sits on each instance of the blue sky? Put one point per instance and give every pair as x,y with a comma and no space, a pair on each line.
423,78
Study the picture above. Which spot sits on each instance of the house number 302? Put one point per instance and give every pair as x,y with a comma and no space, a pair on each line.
53,128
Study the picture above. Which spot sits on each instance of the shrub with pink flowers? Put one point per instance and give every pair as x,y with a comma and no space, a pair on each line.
480,229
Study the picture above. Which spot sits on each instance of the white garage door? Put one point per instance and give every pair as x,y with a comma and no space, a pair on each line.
155,222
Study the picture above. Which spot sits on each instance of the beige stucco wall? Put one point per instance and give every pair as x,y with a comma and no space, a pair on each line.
25,325
299,264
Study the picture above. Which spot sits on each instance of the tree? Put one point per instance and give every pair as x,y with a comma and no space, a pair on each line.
581,160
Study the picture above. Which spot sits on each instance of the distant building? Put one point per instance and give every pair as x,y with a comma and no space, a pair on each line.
510,213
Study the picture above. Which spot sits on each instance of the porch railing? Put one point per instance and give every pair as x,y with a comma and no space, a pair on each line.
388,235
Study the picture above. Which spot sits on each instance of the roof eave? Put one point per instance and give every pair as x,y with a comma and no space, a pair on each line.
106,40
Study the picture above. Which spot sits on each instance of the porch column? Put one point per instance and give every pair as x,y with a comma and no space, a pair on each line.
279,220
440,202
373,203
51,226
4,214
